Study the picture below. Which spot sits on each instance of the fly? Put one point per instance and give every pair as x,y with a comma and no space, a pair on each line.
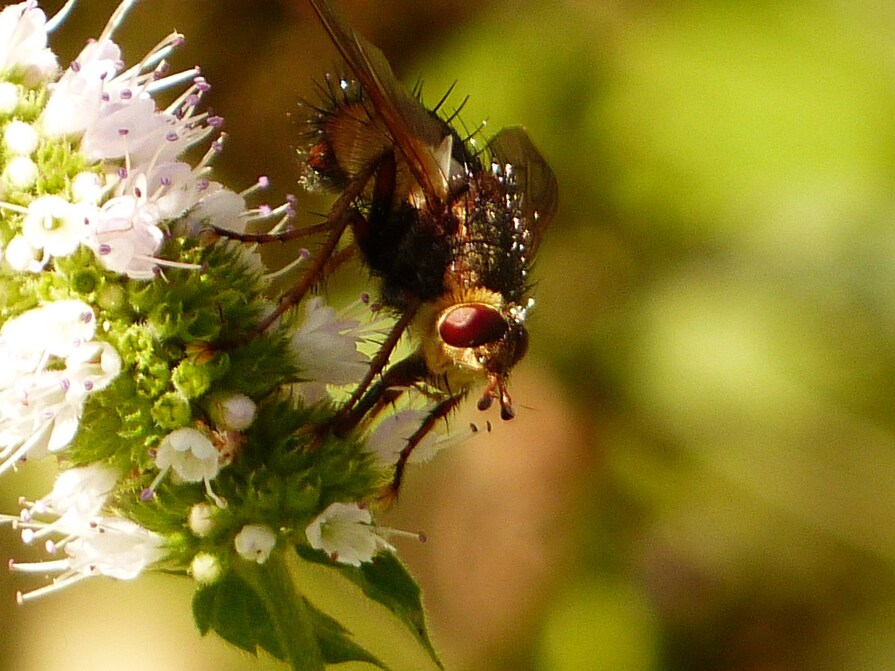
449,232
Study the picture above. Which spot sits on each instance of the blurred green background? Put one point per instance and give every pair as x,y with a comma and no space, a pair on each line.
701,475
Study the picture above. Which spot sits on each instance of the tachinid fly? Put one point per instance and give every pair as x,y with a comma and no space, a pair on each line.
449,232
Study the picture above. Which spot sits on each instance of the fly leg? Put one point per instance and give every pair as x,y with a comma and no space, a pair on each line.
282,236
340,217
439,412
353,407
383,192
386,391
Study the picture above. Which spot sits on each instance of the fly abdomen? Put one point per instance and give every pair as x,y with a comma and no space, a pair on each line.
344,135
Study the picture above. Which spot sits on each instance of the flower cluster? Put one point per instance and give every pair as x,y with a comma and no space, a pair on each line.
50,365
190,438
122,181
93,544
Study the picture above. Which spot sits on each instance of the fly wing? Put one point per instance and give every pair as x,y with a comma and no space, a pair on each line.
417,134
536,186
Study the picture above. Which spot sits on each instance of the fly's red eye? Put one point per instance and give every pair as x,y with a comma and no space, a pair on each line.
472,325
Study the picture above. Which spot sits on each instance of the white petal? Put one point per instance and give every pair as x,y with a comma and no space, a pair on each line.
255,542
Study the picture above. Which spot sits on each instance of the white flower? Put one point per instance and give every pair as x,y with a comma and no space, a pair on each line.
205,568
41,412
76,500
222,207
190,454
9,97
130,127
23,44
87,187
109,546
325,346
76,97
113,110
81,490
201,519
126,231
125,236
92,367
346,532
55,329
21,256
173,187
49,364
255,542
55,225
94,544
119,549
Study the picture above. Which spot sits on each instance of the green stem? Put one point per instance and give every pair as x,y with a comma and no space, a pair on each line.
286,607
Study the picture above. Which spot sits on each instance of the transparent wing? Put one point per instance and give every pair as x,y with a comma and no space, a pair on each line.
535,181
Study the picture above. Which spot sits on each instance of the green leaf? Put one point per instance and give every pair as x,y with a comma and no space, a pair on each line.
231,609
335,641
239,609
386,581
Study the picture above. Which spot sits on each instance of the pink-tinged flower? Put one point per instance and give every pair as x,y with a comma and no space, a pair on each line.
49,365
